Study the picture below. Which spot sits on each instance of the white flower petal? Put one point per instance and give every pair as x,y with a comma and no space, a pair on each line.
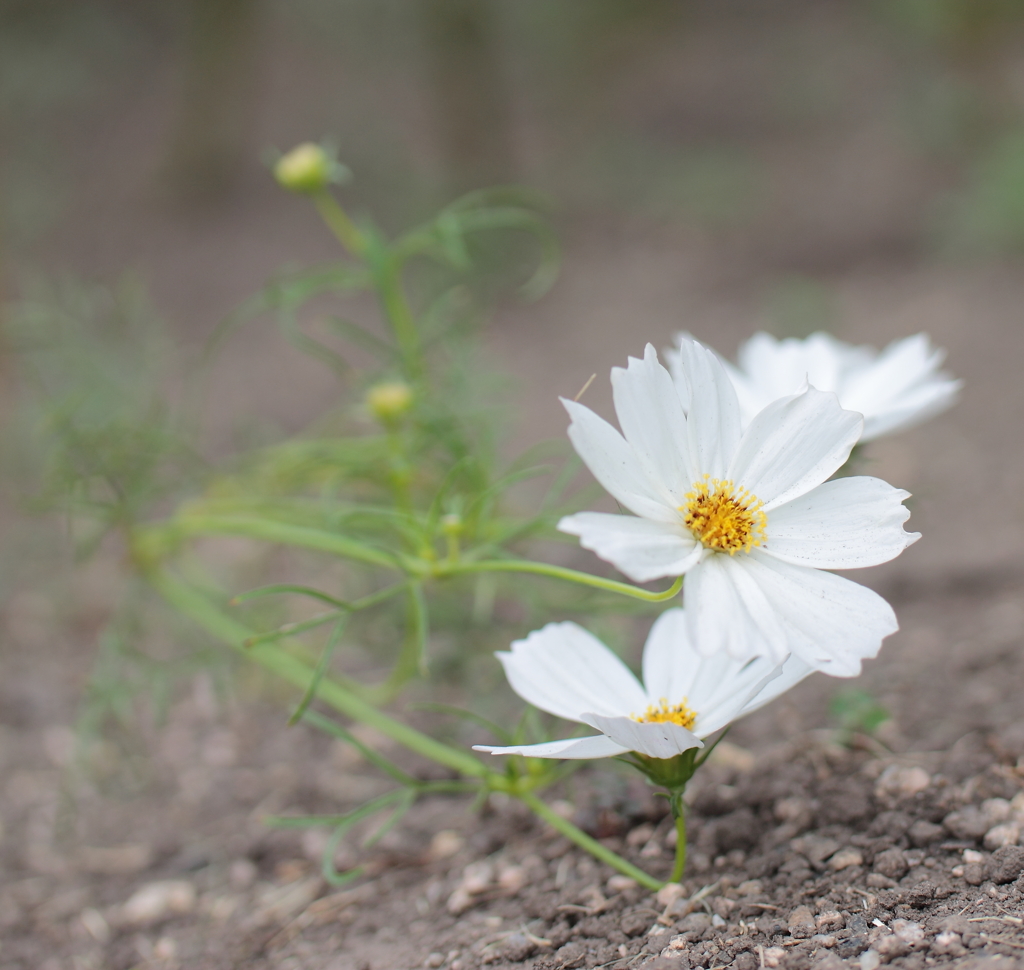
713,421
674,364
726,699
670,664
599,746
878,385
895,389
830,622
641,549
913,407
728,611
653,423
614,464
565,670
843,524
793,671
793,445
654,740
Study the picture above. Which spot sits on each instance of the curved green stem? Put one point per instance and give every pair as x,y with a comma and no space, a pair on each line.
559,572
584,841
269,530
677,869
274,658
343,228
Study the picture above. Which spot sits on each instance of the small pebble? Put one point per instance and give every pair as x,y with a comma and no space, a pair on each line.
1005,864
845,858
165,948
897,782
967,823
434,960
870,960
512,879
158,901
620,883
669,893
1005,833
243,873
891,863
477,877
996,810
890,947
801,923
445,844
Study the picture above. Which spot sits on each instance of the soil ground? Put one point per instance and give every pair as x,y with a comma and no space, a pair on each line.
804,850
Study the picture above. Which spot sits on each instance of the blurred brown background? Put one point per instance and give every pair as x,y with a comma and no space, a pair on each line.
715,166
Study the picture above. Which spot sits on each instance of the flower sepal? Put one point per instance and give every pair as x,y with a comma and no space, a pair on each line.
671,774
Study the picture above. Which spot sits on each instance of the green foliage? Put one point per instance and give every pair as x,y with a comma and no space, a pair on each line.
95,422
396,509
855,711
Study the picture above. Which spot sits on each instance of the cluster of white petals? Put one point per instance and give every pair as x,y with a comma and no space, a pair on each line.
568,672
726,471
894,390
746,511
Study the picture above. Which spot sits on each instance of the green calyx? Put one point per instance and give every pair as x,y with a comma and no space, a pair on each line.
669,773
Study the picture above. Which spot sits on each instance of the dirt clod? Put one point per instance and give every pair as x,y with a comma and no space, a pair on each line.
1005,864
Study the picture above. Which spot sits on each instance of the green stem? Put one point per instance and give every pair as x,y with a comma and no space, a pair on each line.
270,530
584,841
197,606
343,228
396,308
558,572
679,811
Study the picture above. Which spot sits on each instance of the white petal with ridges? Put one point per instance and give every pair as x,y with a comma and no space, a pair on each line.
713,422
654,740
830,622
793,671
652,421
793,445
913,407
614,464
848,523
641,549
727,610
576,749
565,670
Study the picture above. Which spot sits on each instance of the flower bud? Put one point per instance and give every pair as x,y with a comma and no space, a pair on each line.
451,524
389,400
306,168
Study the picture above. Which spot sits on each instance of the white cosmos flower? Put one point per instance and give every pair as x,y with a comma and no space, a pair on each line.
566,671
895,389
747,514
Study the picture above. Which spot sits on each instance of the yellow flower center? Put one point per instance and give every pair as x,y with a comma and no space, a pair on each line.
668,713
724,517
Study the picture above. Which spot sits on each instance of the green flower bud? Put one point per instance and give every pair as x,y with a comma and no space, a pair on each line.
306,168
451,524
389,400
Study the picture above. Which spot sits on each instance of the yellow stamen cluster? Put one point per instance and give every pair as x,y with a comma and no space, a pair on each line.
668,713
724,517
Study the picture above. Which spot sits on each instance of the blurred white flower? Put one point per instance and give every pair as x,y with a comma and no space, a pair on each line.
747,515
895,389
566,671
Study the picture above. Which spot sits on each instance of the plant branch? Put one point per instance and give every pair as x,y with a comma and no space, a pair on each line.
558,572
584,841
